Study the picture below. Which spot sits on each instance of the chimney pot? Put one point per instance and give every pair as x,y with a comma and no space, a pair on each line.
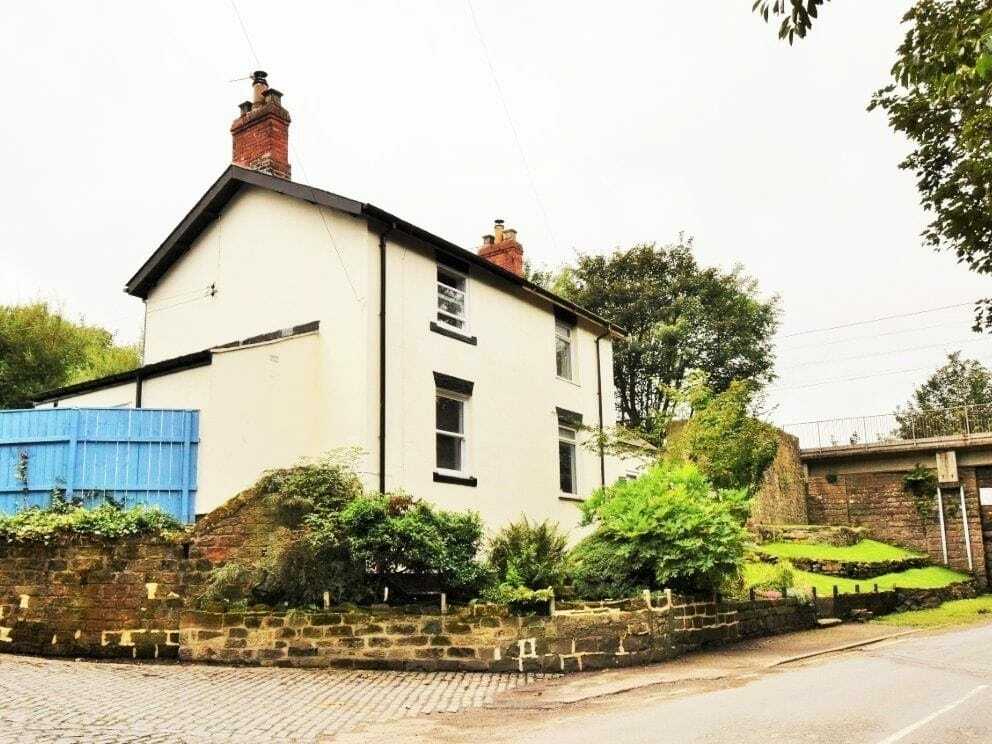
261,133
503,249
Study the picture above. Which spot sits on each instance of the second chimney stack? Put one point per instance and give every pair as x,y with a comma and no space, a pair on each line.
502,249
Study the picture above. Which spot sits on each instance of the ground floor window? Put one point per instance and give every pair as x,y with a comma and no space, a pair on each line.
450,432
566,459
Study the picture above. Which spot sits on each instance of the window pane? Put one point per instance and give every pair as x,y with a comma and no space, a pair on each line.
449,414
454,322
566,466
449,305
563,358
451,280
449,452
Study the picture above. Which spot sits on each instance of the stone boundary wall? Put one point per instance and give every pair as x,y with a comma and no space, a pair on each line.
85,596
863,570
846,606
485,637
836,535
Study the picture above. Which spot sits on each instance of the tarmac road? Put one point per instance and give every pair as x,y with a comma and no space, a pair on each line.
915,689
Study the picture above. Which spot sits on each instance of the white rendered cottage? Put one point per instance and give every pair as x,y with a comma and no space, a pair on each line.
298,321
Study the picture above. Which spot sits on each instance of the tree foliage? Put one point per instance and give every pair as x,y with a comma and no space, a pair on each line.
937,407
41,350
796,15
679,317
730,446
939,99
668,528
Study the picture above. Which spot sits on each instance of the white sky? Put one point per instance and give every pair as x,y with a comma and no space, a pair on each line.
638,120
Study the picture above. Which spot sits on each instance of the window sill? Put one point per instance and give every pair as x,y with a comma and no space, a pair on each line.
569,497
452,333
457,480
565,379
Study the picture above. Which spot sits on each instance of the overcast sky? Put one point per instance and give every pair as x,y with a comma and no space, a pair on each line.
636,120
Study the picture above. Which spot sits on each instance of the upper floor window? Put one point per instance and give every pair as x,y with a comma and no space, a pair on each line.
564,351
452,308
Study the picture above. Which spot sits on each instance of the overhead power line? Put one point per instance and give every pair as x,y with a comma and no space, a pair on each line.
513,127
823,362
876,320
244,30
872,337
887,373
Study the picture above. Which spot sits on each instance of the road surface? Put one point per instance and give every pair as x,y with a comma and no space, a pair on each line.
916,689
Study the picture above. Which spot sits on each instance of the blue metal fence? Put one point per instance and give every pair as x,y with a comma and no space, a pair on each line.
133,455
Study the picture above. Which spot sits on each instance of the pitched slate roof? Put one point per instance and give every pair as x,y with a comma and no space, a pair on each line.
233,179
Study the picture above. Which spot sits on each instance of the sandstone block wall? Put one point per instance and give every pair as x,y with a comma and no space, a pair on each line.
581,636
781,497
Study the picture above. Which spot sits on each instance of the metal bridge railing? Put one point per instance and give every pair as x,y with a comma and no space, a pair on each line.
901,427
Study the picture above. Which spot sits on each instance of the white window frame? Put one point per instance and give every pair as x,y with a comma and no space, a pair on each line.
571,439
441,316
463,435
570,337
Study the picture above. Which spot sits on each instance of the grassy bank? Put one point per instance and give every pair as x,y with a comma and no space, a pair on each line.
866,551
958,612
932,577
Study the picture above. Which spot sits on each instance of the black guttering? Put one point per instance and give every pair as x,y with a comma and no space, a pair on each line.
212,203
165,367
168,366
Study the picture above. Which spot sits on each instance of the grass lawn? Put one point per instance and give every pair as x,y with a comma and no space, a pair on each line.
866,551
958,612
915,578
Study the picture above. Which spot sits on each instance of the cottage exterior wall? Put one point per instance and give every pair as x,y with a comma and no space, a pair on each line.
270,261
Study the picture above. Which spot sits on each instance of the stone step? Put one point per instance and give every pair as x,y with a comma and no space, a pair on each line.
828,622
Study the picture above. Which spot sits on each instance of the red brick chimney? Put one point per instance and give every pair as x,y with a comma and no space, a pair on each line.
261,133
503,249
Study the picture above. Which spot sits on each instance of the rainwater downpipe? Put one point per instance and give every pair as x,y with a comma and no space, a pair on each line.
382,357
599,396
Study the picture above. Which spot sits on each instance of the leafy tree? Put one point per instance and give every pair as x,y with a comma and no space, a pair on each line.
40,350
937,407
729,445
679,317
938,99
668,528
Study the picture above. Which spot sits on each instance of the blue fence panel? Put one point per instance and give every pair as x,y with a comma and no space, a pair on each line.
133,455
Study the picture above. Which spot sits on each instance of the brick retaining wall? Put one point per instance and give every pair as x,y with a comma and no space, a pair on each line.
485,637
879,502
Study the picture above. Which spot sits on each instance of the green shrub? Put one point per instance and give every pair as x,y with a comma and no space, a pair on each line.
231,582
299,571
529,555
405,543
520,598
667,529
105,520
782,576
311,489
